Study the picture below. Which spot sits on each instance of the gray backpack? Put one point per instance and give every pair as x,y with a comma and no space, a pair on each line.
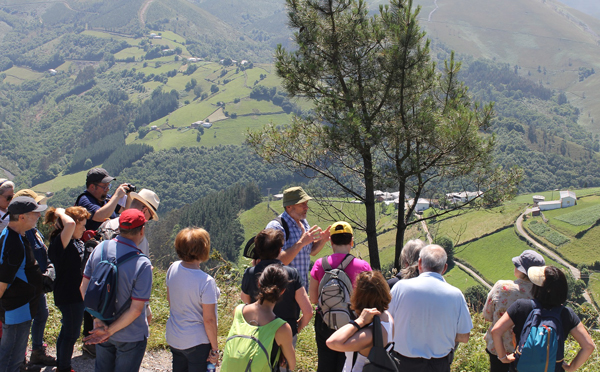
335,290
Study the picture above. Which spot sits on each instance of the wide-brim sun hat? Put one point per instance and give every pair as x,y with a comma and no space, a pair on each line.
149,199
528,259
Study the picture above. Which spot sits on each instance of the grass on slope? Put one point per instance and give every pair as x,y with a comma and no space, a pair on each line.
492,255
62,182
469,357
460,279
467,225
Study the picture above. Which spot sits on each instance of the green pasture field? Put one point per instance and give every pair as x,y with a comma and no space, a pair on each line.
594,286
492,255
130,52
62,182
16,75
168,35
249,106
106,35
537,226
460,279
583,217
151,85
470,224
584,250
586,210
188,114
167,64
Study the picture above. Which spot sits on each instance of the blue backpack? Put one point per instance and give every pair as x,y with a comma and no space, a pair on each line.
101,294
542,342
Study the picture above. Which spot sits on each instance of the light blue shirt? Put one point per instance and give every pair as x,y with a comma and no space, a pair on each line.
428,314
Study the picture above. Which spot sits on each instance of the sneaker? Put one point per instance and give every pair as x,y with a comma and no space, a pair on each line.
39,356
90,349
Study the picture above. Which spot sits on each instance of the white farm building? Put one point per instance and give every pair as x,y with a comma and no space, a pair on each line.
567,199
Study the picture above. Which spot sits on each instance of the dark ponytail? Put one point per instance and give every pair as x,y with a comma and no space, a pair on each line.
272,283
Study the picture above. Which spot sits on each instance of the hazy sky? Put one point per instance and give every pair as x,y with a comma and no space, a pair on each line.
591,7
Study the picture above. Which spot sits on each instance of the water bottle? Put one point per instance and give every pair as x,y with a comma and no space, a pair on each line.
211,367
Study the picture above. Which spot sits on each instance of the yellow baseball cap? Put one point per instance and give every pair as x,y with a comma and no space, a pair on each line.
340,227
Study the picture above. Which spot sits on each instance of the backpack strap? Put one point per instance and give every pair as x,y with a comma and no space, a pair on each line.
78,198
325,263
345,262
283,224
377,333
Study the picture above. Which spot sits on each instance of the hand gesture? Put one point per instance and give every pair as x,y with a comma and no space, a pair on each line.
366,317
99,334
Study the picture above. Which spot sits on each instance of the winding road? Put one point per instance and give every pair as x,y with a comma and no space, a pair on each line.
576,273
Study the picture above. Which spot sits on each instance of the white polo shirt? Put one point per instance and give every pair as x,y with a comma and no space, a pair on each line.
428,314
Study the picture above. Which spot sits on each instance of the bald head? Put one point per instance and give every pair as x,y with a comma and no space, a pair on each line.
433,258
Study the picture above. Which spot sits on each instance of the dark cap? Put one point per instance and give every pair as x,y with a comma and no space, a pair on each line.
98,175
295,195
528,259
131,218
24,204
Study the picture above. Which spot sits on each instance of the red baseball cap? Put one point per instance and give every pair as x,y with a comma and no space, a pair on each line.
131,218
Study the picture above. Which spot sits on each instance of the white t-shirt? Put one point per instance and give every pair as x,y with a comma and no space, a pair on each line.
361,359
188,290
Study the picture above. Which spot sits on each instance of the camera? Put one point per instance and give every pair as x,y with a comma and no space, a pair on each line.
130,187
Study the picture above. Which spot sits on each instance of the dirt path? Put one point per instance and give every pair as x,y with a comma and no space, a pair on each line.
154,361
433,11
142,13
463,267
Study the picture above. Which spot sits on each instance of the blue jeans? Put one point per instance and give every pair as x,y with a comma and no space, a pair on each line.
115,356
72,316
39,324
192,359
13,346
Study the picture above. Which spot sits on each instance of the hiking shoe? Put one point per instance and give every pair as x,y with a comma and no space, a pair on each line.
39,356
90,349
29,368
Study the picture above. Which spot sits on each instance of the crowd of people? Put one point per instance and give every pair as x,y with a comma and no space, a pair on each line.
417,312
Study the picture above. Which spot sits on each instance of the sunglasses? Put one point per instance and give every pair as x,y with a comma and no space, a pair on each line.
7,197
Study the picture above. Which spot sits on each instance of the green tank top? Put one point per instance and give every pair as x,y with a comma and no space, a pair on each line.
248,347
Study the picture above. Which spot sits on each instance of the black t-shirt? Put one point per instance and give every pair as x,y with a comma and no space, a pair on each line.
286,308
18,269
519,311
67,263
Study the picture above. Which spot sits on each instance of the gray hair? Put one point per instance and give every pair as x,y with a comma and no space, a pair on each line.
409,258
433,258
5,185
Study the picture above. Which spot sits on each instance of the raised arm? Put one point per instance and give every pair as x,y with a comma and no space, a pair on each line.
107,209
68,225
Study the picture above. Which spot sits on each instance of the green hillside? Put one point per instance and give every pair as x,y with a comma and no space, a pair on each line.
548,41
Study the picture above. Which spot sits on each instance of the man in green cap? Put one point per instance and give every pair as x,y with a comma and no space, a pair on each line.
302,241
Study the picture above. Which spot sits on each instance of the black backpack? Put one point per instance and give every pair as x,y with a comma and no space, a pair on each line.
249,251
380,358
